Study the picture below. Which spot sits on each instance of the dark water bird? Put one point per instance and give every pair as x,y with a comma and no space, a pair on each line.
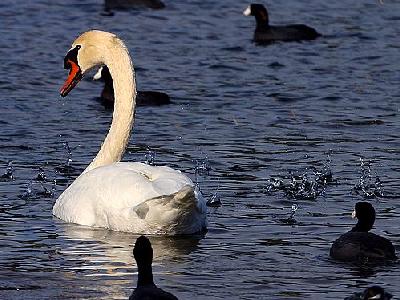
373,292
360,245
146,289
143,98
133,4
265,33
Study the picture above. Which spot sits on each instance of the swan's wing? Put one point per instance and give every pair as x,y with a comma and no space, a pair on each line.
175,213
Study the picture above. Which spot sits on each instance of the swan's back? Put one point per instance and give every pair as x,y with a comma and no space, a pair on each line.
133,197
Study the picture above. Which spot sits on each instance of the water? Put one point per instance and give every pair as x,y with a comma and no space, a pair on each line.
242,116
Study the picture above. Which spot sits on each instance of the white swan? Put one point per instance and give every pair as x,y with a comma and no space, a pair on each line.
122,196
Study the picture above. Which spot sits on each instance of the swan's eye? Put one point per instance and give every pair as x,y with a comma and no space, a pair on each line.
78,47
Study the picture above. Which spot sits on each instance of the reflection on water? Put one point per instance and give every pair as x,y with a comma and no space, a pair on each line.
107,256
101,249
251,125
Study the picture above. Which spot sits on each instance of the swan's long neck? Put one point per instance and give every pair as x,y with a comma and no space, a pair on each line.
121,69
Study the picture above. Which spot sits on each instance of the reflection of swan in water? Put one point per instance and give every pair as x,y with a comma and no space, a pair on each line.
107,249
124,196
107,256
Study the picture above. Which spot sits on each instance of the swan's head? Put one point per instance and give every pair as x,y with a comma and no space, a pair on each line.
89,50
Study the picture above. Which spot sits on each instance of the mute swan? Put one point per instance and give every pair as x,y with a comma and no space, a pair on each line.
143,98
122,196
358,243
146,289
266,33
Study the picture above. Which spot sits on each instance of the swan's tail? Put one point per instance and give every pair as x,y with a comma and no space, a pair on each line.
183,212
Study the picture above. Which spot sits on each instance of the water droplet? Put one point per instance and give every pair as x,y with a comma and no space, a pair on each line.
41,176
8,175
214,201
150,157
368,186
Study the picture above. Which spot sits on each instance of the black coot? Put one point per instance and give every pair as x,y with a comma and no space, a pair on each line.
360,245
266,33
146,289
143,98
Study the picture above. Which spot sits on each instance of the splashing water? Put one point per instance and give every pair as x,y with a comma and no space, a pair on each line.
307,185
293,210
215,200
8,175
202,168
291,220
66,168
45,192
69,153
41,176
368,186
150,157
28,191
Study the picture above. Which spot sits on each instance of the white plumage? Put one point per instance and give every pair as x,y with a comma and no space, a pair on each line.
125,196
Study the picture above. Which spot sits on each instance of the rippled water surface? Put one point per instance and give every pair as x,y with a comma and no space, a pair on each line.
249,119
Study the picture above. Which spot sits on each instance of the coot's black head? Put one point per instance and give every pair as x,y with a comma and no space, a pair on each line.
143,252
259,12
105,74
365,213
376,292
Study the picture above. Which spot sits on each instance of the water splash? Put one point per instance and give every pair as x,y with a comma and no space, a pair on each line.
150,157
305,185
368,186
8,175
201,168
39,187
45,192
215,200
66,168
28,191
41,176
69,153
291,220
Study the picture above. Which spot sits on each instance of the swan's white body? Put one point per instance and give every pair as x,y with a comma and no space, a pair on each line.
122,196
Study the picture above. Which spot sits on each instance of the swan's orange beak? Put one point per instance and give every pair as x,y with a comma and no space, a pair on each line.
75,75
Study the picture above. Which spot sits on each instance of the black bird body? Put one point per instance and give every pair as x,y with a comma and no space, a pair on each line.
143,98
360,245
266,33
295,32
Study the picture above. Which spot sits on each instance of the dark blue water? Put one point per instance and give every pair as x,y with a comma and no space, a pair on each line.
252,115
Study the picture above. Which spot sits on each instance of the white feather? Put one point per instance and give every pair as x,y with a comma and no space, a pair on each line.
247,11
